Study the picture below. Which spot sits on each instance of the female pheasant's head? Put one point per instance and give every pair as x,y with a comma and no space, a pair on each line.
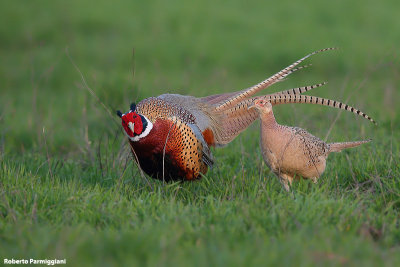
262,105
136,126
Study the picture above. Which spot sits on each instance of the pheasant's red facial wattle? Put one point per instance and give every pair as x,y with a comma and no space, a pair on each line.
132,123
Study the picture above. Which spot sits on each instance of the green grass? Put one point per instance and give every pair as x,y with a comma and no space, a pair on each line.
69,189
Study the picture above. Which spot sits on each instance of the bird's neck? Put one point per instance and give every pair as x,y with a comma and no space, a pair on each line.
268,120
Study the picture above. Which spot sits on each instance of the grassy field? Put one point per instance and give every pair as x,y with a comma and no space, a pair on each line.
68,186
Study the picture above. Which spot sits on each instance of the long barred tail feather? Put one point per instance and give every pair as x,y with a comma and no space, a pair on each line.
215,99
277,99
300,90
241,95
296,69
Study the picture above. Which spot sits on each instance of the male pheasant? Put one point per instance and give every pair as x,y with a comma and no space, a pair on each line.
171,135
290,151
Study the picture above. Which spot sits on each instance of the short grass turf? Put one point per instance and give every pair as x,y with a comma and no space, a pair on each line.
69,189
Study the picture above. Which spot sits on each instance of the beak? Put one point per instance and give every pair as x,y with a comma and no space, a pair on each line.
251,107
131,126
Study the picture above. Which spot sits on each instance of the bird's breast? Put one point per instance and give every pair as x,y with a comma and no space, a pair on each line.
170,151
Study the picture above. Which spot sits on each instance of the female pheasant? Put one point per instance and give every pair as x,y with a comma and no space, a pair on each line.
171,135
292,151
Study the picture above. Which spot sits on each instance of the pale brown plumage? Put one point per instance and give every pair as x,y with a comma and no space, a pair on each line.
292,151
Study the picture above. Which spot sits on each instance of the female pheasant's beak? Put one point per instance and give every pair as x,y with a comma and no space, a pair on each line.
255,104
251,106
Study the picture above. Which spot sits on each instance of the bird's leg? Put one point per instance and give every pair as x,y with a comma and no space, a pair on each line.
286,181
314,179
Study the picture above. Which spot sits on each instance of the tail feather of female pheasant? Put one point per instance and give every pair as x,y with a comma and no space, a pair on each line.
338,147
171,134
